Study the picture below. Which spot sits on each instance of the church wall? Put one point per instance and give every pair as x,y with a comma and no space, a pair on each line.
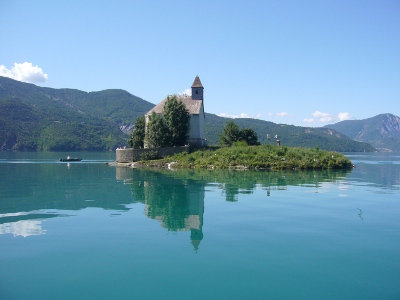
194,127
201,123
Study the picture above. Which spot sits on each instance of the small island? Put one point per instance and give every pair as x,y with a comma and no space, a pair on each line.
263,157
171,135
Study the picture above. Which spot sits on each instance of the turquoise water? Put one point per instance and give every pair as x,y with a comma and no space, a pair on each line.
89,230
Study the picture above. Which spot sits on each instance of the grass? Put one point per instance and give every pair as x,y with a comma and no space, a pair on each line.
258,157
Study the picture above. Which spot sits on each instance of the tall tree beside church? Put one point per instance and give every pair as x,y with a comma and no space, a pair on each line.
157,132
177,118
138,134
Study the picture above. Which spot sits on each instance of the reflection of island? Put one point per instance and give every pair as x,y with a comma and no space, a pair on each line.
176,198
234,183
177,203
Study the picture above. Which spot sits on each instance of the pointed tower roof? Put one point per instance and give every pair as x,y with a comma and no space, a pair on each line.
197,83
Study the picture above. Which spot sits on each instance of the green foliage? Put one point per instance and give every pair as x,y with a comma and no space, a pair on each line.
138,133
232,135
240,144
149,155
261,157
250,136
157,133
177,118
171,128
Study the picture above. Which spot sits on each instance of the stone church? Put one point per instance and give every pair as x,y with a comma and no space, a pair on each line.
195,105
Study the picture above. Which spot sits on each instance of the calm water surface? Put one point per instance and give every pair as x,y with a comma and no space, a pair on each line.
89,230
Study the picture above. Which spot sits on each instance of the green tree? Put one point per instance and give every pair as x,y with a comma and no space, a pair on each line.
231,134
138,133
250,136
157,132
177,118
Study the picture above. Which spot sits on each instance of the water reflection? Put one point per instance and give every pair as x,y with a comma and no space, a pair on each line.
177,203
31,193
24,223
376,170
176,198
22,228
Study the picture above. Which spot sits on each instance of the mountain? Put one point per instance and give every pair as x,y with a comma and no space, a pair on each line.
46,119
38,118
381,131
289,135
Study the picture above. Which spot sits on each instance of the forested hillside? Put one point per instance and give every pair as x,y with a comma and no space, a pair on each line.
37,118
289,135
45,119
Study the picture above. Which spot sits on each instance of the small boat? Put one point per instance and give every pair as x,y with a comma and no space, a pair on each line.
70,159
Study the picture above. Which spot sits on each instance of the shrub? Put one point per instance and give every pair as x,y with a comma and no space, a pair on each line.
150,155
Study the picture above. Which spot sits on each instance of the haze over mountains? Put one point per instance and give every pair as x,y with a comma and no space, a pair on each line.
45,119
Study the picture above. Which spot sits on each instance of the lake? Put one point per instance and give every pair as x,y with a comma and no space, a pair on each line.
89,230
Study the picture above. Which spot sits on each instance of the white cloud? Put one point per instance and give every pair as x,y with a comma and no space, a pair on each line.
323,117
25,72
242,115
187,92
345,116
22,228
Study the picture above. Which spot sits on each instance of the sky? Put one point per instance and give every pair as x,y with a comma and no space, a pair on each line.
306,63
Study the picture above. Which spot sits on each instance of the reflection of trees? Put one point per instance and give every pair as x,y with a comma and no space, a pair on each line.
234,182
177,203
176,198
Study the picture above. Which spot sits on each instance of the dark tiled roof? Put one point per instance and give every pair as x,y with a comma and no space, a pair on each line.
193,106
197,83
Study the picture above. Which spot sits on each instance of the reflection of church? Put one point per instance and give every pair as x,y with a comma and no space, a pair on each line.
193,221
176,199
178,204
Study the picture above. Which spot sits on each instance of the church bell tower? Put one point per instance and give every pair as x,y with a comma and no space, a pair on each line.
197,89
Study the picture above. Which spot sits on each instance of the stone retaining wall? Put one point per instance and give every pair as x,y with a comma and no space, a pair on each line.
131,155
